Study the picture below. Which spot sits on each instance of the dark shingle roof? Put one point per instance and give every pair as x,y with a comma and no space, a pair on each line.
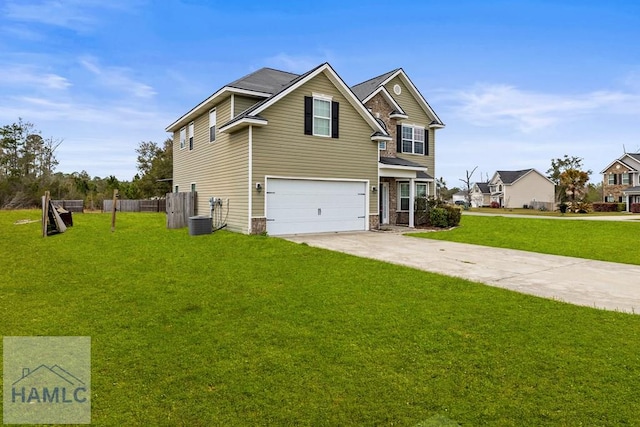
264,80
364,89
423,175
396,161
483,186
509,177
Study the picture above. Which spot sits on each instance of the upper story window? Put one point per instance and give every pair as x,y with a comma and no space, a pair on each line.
625,179
382,145
183,137
412,139
611,179
191,129
212,125
321,116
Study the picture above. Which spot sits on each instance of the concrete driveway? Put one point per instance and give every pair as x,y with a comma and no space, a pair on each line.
598,284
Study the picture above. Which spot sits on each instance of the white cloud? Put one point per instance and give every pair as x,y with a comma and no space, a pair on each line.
117,78
73,14
491,105
32,77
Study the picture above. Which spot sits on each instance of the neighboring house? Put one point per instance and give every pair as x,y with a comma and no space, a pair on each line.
460,197
306,153
480,195
516,189
621,180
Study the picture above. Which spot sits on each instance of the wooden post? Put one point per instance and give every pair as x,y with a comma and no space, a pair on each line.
45,213
113,211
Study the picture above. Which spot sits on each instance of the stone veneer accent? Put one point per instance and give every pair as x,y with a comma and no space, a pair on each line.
616,189
374,222
379,105
258,225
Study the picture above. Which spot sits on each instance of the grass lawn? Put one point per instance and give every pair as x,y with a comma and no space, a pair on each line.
521,211
227,329
613,241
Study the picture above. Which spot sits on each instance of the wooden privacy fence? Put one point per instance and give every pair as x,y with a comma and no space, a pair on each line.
158,205
70,205
180,206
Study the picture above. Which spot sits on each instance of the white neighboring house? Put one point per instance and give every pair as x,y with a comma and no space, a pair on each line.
516,189
480,195
460,196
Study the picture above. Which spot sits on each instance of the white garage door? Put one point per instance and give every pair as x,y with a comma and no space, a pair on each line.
308,206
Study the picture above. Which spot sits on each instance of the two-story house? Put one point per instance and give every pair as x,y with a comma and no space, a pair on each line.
480,194
621,180
516,189
305,153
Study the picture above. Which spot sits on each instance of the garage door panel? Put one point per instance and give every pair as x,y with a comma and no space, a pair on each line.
310,206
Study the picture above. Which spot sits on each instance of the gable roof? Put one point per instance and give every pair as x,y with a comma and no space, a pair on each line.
260,84
634,156
483,187
251,115
367,89
511,177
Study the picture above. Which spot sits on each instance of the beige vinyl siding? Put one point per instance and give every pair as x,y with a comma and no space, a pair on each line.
527,189
281,148
241,103
219,169
416,116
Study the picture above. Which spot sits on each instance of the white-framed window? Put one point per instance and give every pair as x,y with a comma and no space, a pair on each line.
321,117
609,199
625,179
382,145
422,190
413,139
212,125
403,196
191,130
183,137
193,187
611,179
175,189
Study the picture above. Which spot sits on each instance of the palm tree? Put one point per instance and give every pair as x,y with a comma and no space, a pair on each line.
441,185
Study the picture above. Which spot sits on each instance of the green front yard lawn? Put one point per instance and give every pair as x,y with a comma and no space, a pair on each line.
613,241
227,329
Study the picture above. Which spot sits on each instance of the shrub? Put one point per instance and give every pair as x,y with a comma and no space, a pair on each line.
438,217
495,205
605,207
453,216
635,207
563,207
621,207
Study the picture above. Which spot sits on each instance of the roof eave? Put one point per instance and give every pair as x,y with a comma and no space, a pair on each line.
210,102
243,123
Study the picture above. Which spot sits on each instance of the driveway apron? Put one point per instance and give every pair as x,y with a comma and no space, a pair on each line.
599,284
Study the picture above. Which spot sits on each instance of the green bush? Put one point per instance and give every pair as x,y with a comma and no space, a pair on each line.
453,216
438,217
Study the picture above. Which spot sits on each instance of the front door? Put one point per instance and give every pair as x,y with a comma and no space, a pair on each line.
384,203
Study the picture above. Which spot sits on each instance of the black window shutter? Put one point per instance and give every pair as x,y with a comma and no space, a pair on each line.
308,115
335,118
399,138
426,141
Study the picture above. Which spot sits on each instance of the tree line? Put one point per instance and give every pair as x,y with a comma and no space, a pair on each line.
28,162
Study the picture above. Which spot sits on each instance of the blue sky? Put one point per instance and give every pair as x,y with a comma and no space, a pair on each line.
516,82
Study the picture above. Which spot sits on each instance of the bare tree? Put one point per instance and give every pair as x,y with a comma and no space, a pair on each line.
467,184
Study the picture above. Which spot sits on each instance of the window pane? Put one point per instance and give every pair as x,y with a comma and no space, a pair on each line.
418,134
321,108
421,190
407,146
404,204
321,126
418,147
407,132
404,190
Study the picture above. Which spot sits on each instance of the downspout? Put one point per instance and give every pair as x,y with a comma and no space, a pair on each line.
250,177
